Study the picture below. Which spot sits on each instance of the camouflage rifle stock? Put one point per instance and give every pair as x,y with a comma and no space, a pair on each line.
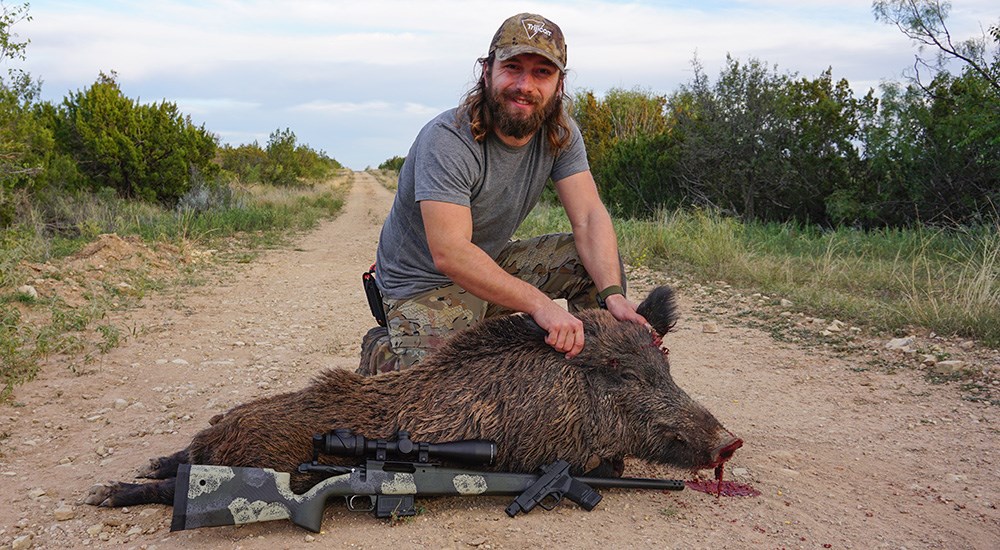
207,496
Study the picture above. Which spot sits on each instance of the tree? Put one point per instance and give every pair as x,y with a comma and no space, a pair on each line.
933,158
245,161
923,21
394,163
25,145
732,139
610,126
288,163
944,165
145,151
638,175
620,115
763,145
12,50
280,167
821,158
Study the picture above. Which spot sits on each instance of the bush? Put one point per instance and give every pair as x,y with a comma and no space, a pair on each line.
145,151
395,163
203,196
282,162
245,162
637,175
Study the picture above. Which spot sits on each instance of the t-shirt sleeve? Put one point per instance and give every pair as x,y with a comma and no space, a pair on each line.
573,158
446,167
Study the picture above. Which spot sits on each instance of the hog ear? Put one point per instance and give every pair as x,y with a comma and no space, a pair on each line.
660,309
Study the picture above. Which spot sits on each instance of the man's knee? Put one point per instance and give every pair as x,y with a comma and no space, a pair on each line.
379,356
417,326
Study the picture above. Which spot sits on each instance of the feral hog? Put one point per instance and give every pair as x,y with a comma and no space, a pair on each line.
498,381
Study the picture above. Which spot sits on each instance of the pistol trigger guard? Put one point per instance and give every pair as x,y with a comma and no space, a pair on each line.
551,500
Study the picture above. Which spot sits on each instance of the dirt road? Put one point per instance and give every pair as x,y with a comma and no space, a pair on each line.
843,457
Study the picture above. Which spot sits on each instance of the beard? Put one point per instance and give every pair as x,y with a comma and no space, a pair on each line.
514,124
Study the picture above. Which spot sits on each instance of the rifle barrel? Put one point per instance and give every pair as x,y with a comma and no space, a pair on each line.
632,483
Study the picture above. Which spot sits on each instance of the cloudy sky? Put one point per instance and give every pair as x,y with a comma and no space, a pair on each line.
357,79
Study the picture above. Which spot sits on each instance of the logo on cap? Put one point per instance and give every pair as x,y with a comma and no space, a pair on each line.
533,27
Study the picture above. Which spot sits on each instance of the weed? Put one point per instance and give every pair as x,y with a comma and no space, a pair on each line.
670,513
25,298
111,337
386,178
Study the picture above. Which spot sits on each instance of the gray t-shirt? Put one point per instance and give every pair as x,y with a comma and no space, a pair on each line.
500,184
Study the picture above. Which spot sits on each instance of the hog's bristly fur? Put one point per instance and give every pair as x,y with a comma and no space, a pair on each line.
497,381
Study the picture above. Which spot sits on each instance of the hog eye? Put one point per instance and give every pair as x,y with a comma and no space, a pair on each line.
630,376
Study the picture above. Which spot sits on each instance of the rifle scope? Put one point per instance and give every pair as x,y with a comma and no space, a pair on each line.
343,442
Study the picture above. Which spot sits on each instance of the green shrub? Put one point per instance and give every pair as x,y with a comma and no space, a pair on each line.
144,151
394,163
244,162
282,162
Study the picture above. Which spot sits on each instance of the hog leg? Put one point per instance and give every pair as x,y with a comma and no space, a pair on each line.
130,494
165,466
608,467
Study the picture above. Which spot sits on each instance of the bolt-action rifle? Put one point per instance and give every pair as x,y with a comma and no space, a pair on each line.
394,472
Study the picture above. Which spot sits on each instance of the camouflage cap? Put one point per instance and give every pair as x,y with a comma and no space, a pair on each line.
530,33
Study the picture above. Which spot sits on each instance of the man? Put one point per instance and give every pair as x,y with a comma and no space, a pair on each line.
445,259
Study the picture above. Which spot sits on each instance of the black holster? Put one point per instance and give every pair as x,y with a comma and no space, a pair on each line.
373,295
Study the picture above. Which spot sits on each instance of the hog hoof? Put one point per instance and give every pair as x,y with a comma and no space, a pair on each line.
99,495
152,470
163,467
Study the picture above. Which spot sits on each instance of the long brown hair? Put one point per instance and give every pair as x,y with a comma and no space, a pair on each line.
473,106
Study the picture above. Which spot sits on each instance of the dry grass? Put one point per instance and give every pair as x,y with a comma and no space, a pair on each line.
945,280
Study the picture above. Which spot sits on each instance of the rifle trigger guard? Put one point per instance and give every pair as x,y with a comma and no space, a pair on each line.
365,503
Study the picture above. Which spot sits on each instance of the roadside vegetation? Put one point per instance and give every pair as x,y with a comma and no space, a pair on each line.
947,280
758,144
139,189
172,243
387,172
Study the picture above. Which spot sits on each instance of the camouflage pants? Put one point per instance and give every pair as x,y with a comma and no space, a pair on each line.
423,322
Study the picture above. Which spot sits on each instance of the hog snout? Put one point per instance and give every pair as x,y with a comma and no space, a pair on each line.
725,451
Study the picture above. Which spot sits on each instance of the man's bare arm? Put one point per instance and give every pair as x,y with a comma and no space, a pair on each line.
449,235
595,239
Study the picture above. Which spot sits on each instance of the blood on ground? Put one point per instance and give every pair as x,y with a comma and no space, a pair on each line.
722,488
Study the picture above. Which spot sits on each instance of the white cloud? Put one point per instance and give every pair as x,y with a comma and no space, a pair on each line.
342,107
421,110
198,106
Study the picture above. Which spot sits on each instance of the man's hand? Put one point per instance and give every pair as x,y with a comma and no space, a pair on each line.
624,310
565,330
